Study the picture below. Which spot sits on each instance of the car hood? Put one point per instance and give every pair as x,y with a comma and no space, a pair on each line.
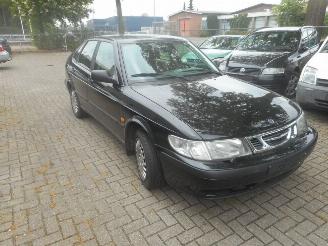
221,106
240,58
215,53
319,61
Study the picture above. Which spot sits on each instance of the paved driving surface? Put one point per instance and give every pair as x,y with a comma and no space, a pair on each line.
67,181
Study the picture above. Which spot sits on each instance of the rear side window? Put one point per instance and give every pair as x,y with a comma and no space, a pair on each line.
86,55
305,38
78,52
105,57
313,37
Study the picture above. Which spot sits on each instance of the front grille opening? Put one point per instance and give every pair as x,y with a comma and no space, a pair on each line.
247,71
256,143
271,140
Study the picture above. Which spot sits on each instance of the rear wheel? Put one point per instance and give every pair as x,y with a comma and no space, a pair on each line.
290,90
76,106
149,168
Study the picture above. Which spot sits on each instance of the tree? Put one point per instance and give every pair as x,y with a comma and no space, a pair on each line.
291,12
120,17
240,21
184,5
46,16
191,5
315,13
49,12
212,24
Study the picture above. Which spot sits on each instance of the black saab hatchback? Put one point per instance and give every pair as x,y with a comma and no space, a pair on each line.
185,123
273,57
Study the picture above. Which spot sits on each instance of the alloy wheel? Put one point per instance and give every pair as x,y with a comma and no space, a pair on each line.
75,103
290,91
141,160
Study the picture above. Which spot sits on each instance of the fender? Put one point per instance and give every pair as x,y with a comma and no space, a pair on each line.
143,124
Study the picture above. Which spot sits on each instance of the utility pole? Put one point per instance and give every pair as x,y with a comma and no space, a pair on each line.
120,17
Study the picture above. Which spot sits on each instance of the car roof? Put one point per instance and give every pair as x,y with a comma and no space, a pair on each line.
139,37
290,29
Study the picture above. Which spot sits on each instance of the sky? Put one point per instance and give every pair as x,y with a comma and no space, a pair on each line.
107,8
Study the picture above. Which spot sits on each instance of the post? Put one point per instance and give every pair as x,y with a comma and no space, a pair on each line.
154,7
21,22
120,17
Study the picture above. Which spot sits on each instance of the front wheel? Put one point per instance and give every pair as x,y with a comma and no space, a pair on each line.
149,169
290,90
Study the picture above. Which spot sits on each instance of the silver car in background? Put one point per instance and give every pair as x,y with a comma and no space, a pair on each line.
5,51
312,89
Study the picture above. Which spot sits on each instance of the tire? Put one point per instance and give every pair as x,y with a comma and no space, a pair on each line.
76,106
149,168
290,90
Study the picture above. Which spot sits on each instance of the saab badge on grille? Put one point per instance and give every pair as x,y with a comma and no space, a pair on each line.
242,70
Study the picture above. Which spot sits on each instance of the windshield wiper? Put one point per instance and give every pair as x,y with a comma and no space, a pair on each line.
146,75
195,71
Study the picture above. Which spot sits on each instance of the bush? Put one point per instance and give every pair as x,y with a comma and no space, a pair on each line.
48,41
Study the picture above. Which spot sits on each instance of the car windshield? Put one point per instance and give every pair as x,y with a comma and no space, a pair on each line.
324,49
164,59
223,43
275,41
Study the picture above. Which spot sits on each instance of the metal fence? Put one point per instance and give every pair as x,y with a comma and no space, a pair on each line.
70,39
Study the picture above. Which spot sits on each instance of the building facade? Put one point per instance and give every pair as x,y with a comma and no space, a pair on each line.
191,23
132,23
194,23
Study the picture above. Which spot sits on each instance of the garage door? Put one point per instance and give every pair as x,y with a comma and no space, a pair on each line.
260,22
272,21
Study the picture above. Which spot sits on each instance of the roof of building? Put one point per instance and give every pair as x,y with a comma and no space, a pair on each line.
270,6
199,12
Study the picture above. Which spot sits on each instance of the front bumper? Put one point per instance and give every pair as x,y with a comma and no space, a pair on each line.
312,95
228,178
4,56
277,83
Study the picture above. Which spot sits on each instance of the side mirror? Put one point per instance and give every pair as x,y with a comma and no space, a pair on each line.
102,76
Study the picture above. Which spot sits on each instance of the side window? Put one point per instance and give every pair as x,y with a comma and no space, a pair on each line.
87,53
77,53
105,57
305,38
313,37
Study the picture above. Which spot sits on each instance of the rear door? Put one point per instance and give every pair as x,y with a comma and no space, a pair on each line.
104,97
81,71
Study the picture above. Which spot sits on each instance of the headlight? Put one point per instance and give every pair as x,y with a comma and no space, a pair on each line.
309,75
302,126
210,150
223,66
271,71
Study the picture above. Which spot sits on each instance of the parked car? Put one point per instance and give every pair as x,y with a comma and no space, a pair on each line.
273,57
218,47
312,89
5,51
186,124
